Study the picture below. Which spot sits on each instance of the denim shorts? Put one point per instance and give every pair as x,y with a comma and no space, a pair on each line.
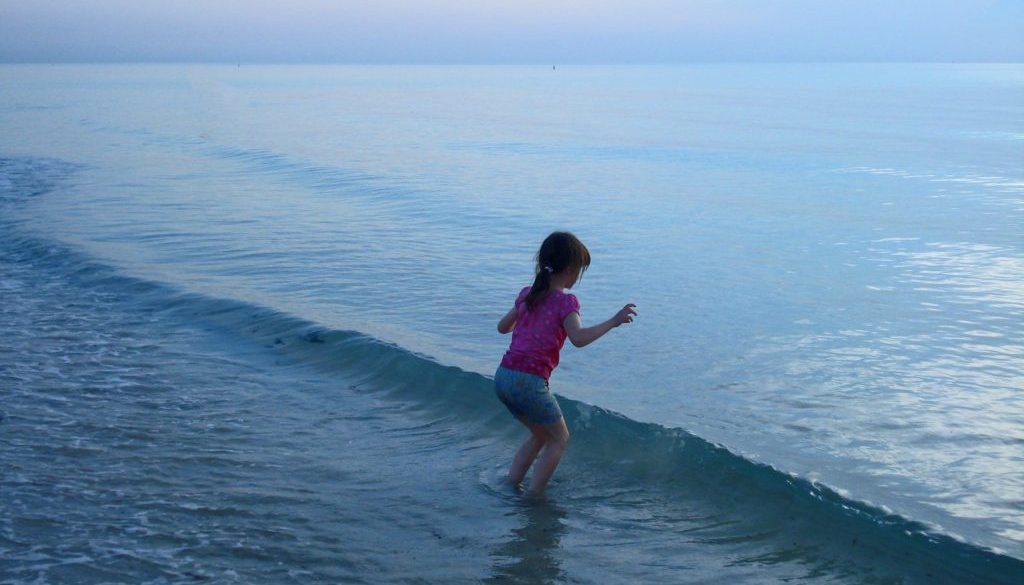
526,396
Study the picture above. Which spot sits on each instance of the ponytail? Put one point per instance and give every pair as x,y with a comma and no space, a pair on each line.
541,285
560,251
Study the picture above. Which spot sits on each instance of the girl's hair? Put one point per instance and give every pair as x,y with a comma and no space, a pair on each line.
560,250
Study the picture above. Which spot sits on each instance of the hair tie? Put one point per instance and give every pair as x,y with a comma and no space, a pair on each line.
549,269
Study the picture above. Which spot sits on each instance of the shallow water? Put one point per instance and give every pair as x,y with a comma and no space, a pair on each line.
254,308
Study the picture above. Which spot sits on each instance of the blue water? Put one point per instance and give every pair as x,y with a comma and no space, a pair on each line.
248,322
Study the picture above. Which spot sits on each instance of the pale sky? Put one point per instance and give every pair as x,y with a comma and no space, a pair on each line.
510,31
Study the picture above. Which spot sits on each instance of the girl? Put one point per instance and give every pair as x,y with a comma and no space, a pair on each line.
540,320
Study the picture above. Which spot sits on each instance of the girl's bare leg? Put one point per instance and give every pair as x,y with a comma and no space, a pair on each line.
524,457
556,437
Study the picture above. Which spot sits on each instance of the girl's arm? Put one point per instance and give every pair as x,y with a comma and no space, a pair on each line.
581,336
508,322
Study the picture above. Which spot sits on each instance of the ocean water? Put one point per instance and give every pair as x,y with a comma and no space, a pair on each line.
248,323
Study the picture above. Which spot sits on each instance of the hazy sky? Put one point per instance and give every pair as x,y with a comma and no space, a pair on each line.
504,31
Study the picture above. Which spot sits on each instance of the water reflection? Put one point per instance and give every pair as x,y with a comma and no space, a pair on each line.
531,554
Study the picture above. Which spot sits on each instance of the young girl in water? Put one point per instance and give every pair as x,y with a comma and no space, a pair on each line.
540,320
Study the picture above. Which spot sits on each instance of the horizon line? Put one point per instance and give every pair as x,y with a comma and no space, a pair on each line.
525,63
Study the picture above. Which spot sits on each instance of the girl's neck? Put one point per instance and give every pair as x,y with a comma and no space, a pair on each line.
562,281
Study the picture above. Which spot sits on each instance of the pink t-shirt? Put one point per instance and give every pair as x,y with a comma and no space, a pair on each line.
539,332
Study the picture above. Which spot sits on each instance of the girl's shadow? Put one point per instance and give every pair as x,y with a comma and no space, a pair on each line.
531,554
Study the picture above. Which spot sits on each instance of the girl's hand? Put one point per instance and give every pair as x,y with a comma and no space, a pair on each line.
625,315
581,336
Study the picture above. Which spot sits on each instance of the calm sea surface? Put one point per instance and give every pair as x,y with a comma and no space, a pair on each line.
248,322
